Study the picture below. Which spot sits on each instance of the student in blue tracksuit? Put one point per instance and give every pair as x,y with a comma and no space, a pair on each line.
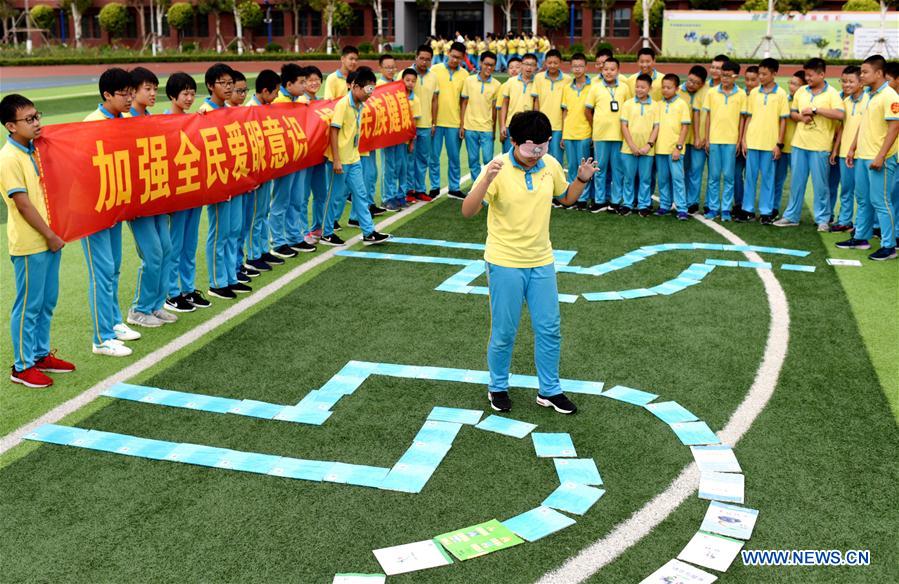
316,184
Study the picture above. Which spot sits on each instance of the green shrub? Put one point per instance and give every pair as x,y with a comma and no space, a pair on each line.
552,14
43,17
114,19
861,6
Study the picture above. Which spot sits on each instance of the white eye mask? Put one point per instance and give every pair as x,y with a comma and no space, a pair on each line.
531,150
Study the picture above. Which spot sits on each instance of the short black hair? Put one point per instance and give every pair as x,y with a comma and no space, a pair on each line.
349,50
530,125
647,51
877,62
720,59
143,75
237,76
364,76
530,56
731,66
699,71
115,79
313,71
267,80
10,106
424,49
644,77
177,83
553,53
488,55
612,60
892,69
672,77
410,71
815,64
457,46
799,74
852,70
384,57
513,59
290,72
604,52
770,64
215,73
578,57
752,69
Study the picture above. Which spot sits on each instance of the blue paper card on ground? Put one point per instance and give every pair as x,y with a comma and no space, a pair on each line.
110,442
636,293
256,409
722,486
343,383
671,412
723,263
196,454
573,497
128,391
303,415
667,289
729,520
760,265
686,280
553,445
602,296
248,461
211,403
506,426
715,458
319,400
434,431
538,523
55,434
153,449
297,468
709,246
408,478
797,268
456,415
695,433
425,453
630,395
577,470
526,381
582,386
356,474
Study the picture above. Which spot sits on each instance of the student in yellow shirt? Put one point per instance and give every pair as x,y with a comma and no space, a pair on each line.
336,83
390,156
718,62
797,80
103,249
345,167
751,81
471,51
577,128
34,249
395,196
547,93
646,62
675,118
853,94
316,176
763,140
436,51
693,91
891,73
639,130
425,88
817,108
446,119
725,107
607,98
873,156
517,96
502,53
518,188
479,94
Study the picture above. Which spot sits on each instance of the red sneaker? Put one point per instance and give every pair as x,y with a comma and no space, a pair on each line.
51,364
31,377
410,199
423,197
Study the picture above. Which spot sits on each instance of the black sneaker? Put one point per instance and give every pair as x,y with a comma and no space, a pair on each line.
251,272
179,304
332,240
884,253
853,243
557,203
225,293
499,400
240,288
559,402
595,208
271,259
613,208
337,226
196,298
242,278
645,212
624,211
302,247
583,205
258,265
456,194
374,238
352,223
693,208
766,219
434,193
284,251
375,210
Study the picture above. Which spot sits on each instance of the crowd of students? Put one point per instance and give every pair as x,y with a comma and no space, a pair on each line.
503,46
644,131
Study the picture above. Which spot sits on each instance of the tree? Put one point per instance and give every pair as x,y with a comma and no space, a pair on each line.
506,7
604,6
77,8
653,23
377,7
705,4
216,8
553,14
854,6
431,5
328,9
245,11
180,15
532,6
294,6
43,16
7,13
755,5
114,19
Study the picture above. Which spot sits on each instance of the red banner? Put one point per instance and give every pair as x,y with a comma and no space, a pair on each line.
96,174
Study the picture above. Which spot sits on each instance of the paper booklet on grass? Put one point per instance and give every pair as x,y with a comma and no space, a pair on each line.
479,540
411,557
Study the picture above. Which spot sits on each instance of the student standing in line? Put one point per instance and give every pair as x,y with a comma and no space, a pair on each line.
446,119
397,191
316,176
639,130
391,157
693,91
797,80
425,89
478,128
285,191
715,68
607,98
674,122
853,92
336,83
577,127
725,107
751,81
517,96
646,62
547,93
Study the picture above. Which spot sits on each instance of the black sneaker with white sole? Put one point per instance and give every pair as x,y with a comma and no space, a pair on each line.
225,293
337,226
374,238
251,272
558,402
332,240
179,304
353,223
376,211
500,400
196,298
242,278
240,288
456,195
271,259
302,247
284,251
434,193
258,265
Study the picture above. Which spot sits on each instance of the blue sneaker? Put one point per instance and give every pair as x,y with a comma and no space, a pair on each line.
710,216
884,253
682,216
725,216
392,206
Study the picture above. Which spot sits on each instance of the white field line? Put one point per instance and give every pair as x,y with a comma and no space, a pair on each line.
630,531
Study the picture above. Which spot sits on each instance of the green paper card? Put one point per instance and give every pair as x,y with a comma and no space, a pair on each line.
478,540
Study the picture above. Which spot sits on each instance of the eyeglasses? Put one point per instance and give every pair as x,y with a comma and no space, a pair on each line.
31,119
368,89
225,84
240,91
124,94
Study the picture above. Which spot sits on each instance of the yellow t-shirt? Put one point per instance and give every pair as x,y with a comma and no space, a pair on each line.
347,117
766,110
694,102
640,117
19,174
491,46
606,123
335,85
519,205
789,132
501,47
284,96
531,44
881,107
425,88
471,47
520,96
549,93
512,46
101,113
673,115
449,90
481,46
415,106
655,90
481,96
854,110
818,135
574,101
724,111
208,105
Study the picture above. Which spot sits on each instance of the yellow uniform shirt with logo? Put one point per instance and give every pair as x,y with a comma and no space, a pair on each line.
425,88
449,90
606,123
335,85
766,110
437,47
574,102
519,205
694,101
415,106
881,108
512,46
471,47
673,115
548,91
520,96
724,111
501,47
818,135
491,46
347,116
655,90
284,96
790,131
99,114
640,117
854,110
531,44
19,176
481,96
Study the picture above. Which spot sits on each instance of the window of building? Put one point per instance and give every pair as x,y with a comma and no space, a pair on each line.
277,23
165,23
578,21
131,23
621,22
199,27
357,25
90,24
597,22
387,22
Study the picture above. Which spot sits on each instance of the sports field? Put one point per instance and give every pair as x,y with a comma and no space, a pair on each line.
812,380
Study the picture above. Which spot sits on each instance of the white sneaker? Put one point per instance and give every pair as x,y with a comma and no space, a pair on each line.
784,222
111,348
164,316
143,319
823,227
123,332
